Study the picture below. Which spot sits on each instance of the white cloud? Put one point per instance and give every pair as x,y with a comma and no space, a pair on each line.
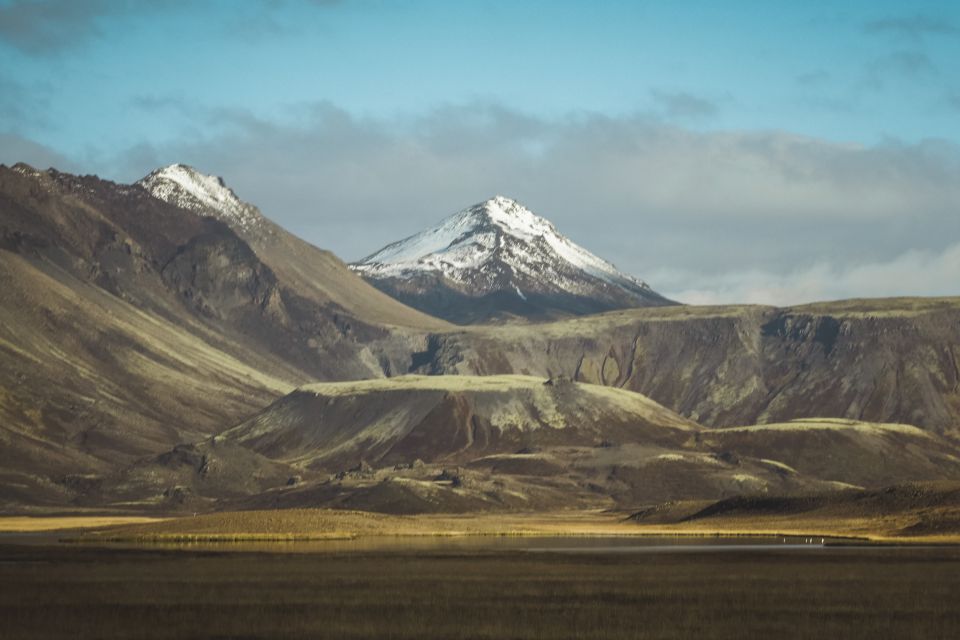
912,273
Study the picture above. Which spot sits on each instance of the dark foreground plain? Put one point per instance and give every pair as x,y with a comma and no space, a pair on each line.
85,592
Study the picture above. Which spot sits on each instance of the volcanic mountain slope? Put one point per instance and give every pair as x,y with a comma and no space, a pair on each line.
130,325
313,273
100,361
498,260
171,261
893,360
89,382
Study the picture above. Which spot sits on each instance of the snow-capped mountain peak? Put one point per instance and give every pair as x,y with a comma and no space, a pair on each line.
184,186
498,246
478,234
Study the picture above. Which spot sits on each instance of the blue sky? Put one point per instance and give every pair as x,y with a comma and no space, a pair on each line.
357,122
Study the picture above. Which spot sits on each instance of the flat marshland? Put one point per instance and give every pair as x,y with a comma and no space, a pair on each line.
95,592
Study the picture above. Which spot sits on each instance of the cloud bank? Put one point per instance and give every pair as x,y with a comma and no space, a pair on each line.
704,216
913,273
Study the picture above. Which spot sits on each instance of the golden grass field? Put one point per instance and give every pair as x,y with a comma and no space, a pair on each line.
325,524
34,524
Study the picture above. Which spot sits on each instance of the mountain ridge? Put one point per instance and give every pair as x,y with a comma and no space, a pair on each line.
293,259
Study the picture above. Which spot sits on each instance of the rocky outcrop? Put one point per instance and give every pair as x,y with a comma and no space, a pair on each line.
400,420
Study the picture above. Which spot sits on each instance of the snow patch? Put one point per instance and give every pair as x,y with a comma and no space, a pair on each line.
206,195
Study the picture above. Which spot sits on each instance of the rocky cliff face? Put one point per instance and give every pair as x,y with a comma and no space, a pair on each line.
885,360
